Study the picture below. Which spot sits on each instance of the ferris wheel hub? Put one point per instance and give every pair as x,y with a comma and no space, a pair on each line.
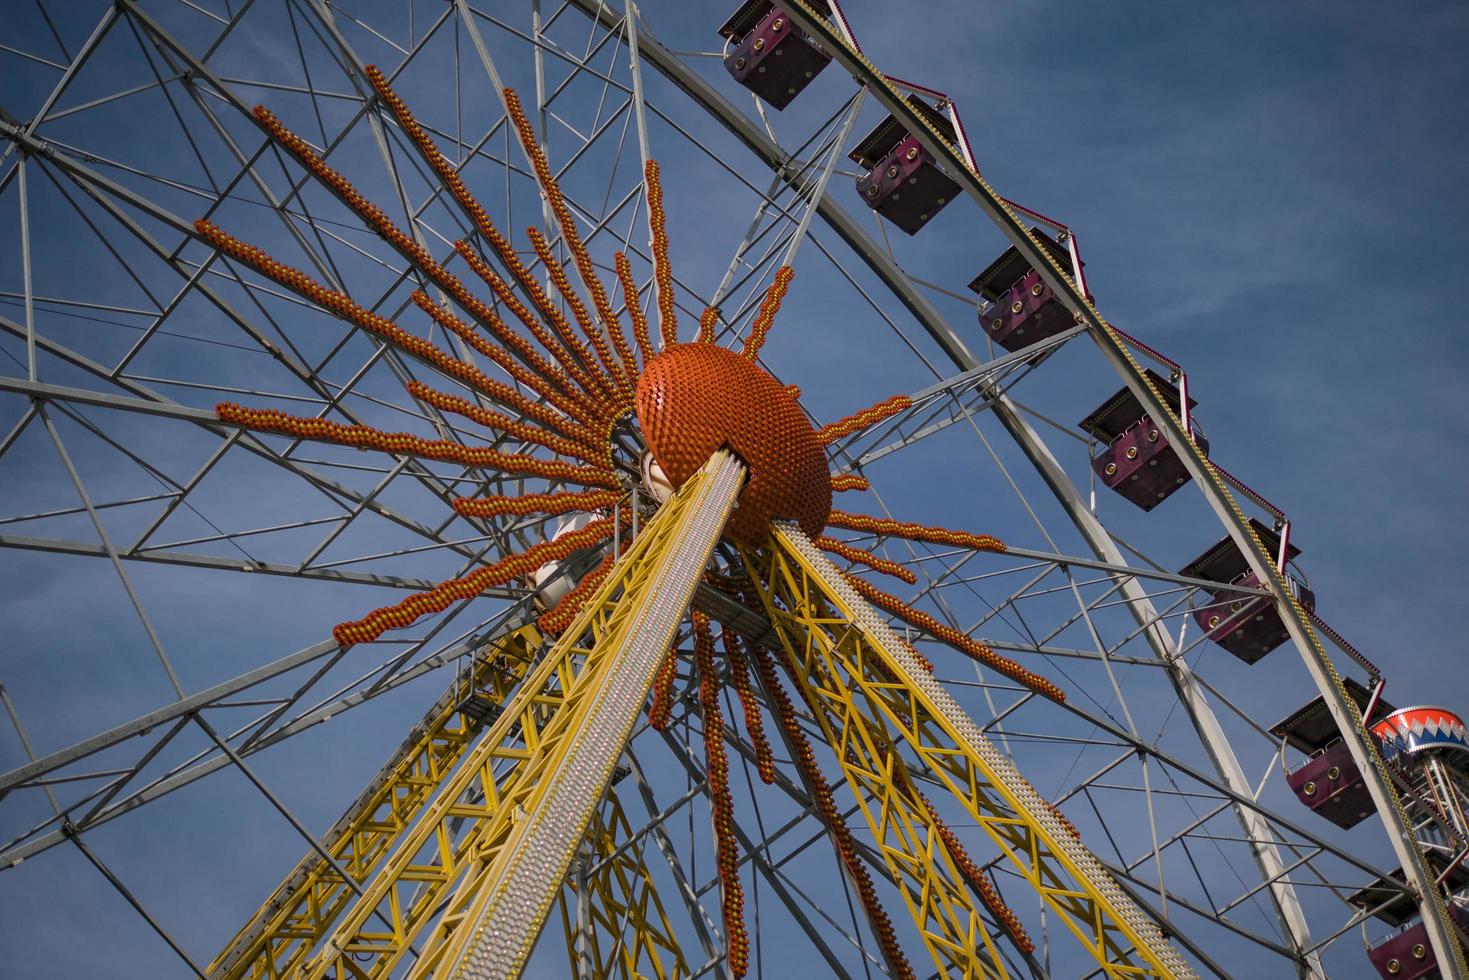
694,399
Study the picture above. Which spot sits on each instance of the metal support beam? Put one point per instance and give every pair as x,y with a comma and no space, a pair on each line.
492,921
863,675
621,928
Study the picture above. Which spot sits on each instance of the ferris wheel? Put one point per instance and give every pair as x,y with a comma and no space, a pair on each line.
560,489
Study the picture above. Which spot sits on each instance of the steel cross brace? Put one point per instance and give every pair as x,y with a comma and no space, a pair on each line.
300,912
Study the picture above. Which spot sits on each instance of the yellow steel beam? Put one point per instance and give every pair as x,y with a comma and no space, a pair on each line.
483,810
871,688
907,836
614,922
494,916
300,912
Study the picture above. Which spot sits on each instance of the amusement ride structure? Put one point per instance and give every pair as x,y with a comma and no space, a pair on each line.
698,716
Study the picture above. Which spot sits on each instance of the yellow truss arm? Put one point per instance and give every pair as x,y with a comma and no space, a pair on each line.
615,924
907,836
300,912
483,827
873,693
493,919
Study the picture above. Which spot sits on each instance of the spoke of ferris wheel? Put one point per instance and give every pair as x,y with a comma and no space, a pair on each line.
92,178
802,197
941,405
155,404
700,919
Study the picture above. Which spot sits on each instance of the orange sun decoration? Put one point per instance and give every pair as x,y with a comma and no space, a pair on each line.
573,382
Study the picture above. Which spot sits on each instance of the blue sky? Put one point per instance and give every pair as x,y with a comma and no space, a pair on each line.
1270,194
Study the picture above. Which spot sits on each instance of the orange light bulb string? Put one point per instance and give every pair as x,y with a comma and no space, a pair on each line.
535,503
707,322
481,219
914,532
739,669
1070,827
849,481
769,307
861,557
721,805
572,237
826,808
407,444
557,619
586,449
406,245
914,652
444,594
631,298
554,385
379,326
980,885
866,418
960,641
662,269
486,317
662,703
557,273
566,347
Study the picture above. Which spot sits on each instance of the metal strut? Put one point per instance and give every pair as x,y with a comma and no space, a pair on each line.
871,689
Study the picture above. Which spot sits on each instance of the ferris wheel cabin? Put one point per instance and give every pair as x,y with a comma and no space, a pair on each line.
1137,460
769,55
901,180
1328,782
1016,307
1244,623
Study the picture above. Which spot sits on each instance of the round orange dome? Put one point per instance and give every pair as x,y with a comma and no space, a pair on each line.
694,399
